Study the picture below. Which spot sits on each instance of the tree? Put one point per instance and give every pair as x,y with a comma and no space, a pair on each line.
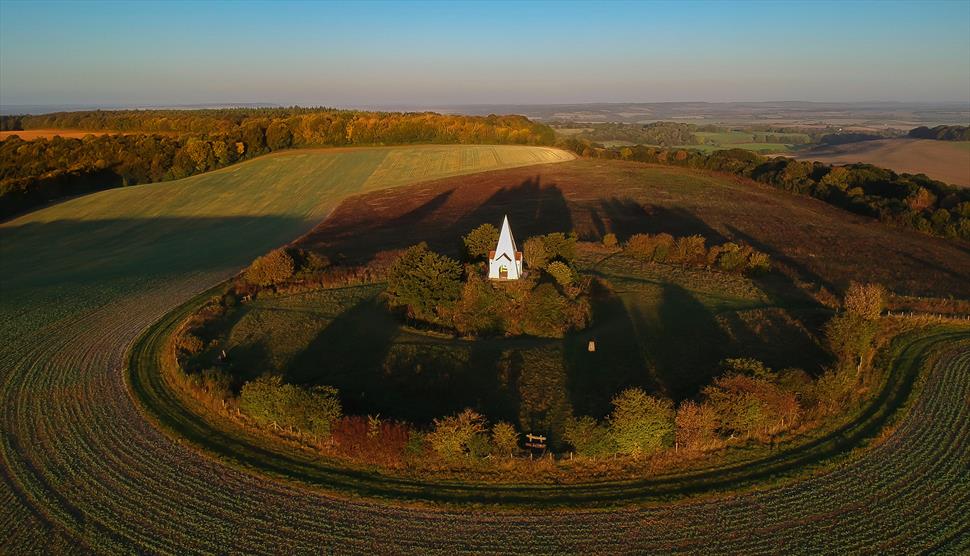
589,437
505,438
535,253
559,245
751,406
641,424
561,273
423,282
452,435
696,425
271,268
278,136
480,241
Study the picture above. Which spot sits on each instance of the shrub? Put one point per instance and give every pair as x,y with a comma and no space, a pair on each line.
589,437
758,262
272,268
190,344
731,257
641,424
751,406
696,426
453,435
268,400
865,300
561,273
849,337
480,241
214,384
505,438
663,244
610,241
640,246
689,250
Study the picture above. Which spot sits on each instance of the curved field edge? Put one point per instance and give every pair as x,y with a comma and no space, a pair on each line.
906,358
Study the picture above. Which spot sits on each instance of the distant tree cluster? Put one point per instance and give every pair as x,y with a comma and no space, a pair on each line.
904,200
942,133
173,144
666,134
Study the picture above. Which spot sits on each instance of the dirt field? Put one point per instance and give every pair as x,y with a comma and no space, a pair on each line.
810,240
947,161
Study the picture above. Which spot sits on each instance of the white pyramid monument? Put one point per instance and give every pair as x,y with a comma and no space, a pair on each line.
505,263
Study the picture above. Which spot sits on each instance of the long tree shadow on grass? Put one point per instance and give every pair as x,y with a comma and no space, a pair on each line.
684,343
628,217
440,220
380,370
616,363
348,354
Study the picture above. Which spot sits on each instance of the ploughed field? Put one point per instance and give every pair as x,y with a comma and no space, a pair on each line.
83,471
946,161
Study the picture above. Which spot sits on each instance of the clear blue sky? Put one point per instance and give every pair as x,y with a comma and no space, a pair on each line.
369,53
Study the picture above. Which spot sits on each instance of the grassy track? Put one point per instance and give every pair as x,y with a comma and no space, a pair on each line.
82,471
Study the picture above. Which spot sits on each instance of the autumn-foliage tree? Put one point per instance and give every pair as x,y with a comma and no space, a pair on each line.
561,273
641,424
751,403
696,426
454,435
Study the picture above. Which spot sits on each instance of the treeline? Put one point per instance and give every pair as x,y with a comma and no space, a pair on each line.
942,133
665,134
176,144
909,201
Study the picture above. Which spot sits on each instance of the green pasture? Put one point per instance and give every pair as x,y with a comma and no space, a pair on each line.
86,251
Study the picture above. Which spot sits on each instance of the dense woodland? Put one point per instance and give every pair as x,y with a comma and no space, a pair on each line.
942,133
168,144
904,200
665,134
